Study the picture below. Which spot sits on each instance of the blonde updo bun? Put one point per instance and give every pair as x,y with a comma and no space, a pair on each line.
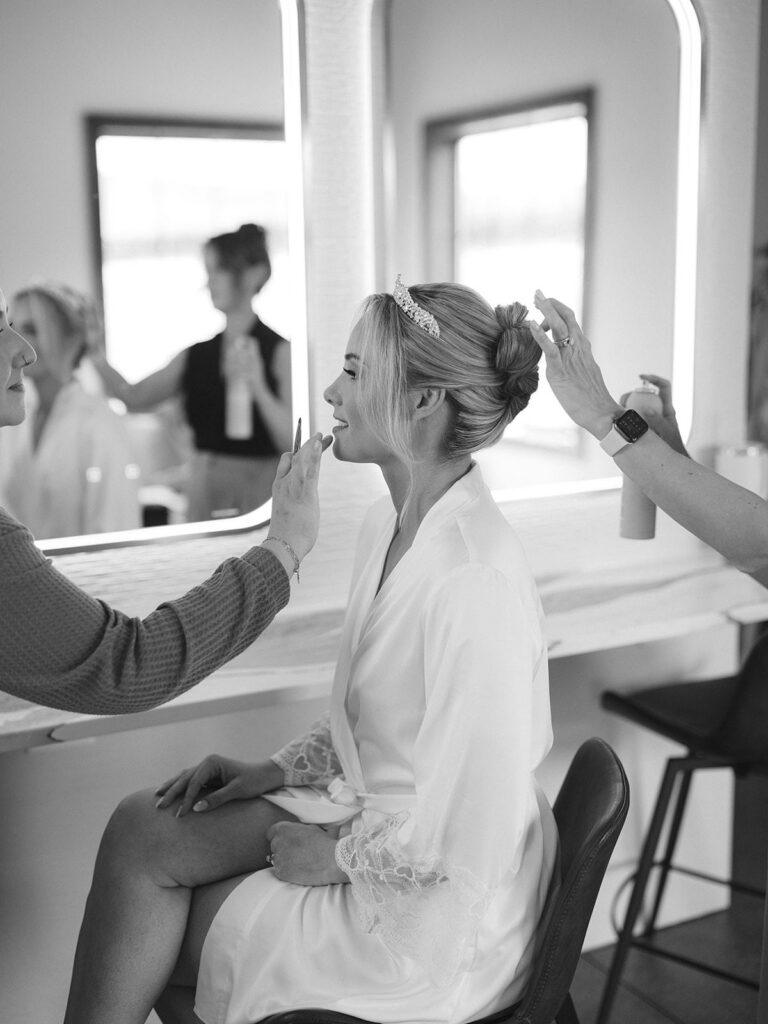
484,359
517,354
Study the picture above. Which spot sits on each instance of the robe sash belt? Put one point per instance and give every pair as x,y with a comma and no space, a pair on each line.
340,792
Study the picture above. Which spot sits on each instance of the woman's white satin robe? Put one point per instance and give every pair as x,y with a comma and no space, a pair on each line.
439,717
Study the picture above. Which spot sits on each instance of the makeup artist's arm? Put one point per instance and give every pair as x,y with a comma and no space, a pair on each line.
729,518
65,649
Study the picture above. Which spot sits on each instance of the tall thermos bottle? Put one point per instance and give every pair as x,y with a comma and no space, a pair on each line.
238,420
638,512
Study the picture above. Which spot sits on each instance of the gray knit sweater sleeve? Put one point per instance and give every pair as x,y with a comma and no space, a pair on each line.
63,648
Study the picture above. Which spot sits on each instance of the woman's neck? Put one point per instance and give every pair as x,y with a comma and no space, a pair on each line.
48,388
239,322
414,496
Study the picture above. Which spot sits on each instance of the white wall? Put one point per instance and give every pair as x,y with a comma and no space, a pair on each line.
761,163
451,57
178,58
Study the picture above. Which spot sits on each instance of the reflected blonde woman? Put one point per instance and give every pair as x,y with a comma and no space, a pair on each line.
69,469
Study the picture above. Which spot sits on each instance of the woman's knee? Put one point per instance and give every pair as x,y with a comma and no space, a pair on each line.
136,833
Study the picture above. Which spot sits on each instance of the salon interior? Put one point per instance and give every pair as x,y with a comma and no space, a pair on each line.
626,142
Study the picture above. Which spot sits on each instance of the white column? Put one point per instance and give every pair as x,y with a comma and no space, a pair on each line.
340,191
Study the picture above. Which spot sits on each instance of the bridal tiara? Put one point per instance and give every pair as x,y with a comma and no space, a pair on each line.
413,310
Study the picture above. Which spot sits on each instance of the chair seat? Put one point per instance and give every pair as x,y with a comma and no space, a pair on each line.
689,713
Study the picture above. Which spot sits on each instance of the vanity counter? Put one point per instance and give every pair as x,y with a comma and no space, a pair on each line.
599,592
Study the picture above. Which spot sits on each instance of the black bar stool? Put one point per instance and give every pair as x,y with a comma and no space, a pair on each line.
724,724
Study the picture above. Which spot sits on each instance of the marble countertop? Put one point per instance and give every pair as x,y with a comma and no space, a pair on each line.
598,592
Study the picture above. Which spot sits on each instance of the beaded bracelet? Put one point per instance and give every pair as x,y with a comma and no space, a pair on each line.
291,552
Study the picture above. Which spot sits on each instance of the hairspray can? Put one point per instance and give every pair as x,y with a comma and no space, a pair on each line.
638,512
239,408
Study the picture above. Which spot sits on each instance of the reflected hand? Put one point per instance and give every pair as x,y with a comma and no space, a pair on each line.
218,779
304,854
243,359
295,503
572,372
665,425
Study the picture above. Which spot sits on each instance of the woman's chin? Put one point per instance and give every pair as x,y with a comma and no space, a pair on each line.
10,417
345,452
338,450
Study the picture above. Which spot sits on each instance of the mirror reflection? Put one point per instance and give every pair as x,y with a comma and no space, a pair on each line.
173,405
534,145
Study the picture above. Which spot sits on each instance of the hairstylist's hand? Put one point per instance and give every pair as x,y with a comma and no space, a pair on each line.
215,781
665,425
295,505
572,372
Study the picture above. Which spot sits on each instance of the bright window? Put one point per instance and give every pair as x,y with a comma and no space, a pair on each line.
519,195
162,191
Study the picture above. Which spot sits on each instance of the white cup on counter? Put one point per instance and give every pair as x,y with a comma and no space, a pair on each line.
746,465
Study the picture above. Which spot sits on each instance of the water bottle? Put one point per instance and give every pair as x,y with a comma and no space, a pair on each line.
638,512
238,420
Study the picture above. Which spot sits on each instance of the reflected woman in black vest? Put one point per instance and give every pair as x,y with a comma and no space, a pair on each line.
235,387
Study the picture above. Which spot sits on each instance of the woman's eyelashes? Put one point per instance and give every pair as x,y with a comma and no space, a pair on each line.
350,373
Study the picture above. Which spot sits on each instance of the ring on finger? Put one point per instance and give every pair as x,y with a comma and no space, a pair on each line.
563,342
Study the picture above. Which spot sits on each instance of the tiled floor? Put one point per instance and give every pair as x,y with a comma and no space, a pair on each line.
657,991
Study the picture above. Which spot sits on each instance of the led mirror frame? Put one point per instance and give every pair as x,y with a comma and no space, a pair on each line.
686,247
690,72
294,107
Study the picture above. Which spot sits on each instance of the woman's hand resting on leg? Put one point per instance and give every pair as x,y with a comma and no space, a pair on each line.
304,854
218,779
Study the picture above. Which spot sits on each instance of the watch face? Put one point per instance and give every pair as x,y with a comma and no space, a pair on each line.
631,424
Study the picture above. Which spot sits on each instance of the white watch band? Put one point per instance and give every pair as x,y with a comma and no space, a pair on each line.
614,441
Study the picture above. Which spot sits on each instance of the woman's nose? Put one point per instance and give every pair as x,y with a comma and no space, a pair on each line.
25,355
331,395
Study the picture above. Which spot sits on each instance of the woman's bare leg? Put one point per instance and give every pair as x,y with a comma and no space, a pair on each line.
136,913
176,1004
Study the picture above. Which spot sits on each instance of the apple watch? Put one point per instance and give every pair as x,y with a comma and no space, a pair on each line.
627,429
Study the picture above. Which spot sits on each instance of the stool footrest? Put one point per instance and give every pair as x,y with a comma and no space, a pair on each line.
747,890
648,946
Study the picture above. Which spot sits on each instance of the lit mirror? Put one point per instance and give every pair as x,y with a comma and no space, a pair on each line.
545,144
151,180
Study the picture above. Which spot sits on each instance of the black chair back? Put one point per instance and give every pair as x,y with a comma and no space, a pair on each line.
590,811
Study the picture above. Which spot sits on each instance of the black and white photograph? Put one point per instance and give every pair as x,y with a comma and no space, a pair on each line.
384,512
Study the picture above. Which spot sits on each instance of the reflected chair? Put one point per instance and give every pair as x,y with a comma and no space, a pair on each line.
590,811
724,724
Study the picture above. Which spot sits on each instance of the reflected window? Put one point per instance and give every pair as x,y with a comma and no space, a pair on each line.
515,185
160,191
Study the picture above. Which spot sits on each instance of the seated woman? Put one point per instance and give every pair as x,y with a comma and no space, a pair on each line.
394,861
68,470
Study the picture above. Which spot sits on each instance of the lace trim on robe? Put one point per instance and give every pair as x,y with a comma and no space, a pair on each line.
425,908
310,759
